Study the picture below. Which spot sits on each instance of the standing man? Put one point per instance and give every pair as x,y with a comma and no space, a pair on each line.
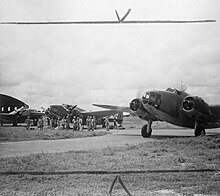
93,123
107,123
80,124
63,123
28,121
77,123
87,122
41,124
74,123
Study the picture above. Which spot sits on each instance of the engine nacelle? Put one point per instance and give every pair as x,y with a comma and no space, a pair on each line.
135,105
137,108
194,103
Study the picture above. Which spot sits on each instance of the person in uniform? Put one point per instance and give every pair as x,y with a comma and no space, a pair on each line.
107,123
41,124
58,123
87,122
74,123
67,122
115,123
90,123
93,122
63,123
80,124
77,123
28,121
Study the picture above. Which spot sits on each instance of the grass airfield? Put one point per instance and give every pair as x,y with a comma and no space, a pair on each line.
180,153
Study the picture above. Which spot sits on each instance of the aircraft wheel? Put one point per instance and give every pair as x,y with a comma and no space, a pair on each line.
15,124
144,132
200,131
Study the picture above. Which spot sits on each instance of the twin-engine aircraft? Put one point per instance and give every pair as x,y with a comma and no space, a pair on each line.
64,110
175,107
15,111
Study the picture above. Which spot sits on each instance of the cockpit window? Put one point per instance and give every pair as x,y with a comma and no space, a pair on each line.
173,90
146,97
152,98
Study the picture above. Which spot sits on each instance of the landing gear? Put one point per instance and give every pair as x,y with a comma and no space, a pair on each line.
200,131
15,124
146,130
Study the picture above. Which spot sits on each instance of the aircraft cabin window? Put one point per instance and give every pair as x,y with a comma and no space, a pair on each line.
146,97
2,109
9,108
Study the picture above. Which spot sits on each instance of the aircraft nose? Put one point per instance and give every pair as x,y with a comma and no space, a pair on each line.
135,105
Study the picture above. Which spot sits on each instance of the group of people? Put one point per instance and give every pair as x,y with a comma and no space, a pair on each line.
40,123
91,123
77,123
65,122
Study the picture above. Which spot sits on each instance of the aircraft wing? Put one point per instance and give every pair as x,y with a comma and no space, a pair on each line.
115,108
33,113
100,114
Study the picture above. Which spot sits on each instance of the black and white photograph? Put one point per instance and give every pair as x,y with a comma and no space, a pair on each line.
110,98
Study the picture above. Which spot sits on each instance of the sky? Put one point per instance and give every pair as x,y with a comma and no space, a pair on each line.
107,64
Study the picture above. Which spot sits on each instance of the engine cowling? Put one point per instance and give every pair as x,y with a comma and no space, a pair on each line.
194,103
137,108
135,105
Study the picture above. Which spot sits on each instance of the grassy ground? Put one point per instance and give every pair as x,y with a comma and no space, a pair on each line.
10,134
165,154
19,133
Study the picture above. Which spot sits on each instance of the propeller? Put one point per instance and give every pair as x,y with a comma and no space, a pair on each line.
69,107
188,103
135,104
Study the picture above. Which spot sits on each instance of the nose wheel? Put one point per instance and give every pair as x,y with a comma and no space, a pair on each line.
146,130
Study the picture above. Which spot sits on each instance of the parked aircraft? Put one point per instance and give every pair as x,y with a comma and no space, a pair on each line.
15,111
64,110
175,107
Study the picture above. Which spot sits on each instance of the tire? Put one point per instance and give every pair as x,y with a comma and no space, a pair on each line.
203,132
144,132
15,124
200,131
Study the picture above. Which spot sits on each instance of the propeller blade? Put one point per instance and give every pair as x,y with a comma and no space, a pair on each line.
43,109
74,106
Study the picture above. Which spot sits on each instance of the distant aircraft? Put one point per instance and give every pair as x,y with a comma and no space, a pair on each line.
60,111
175,107
15,111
